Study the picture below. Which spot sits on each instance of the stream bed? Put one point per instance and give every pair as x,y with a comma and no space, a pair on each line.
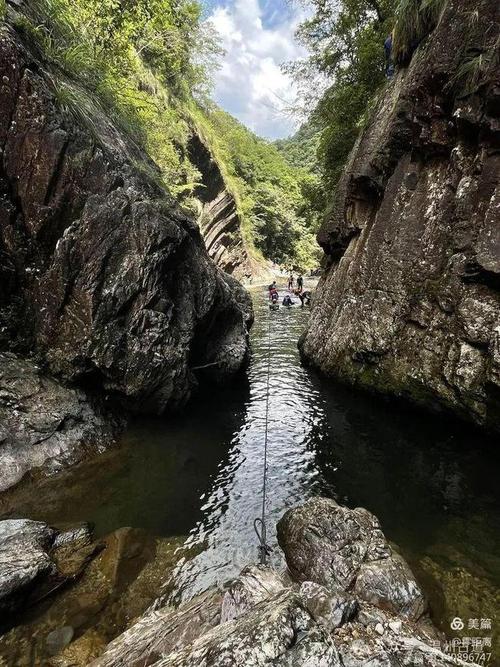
198,477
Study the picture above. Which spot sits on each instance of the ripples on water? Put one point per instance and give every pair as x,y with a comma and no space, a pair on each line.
432,483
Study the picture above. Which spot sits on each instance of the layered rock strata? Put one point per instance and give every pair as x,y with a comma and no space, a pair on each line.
219,221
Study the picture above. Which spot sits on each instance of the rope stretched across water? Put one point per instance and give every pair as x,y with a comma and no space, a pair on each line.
260,522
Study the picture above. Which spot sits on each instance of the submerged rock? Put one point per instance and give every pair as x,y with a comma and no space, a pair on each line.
409,303
24,559
93,591
306,618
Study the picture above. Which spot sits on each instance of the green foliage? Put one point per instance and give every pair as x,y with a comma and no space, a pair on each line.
147,62
476,65
414,20
300,150
269,191
345,40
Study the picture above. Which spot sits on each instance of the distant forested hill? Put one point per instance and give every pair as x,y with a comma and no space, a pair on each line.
300,149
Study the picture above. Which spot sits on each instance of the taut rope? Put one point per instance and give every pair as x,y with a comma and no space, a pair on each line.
260,522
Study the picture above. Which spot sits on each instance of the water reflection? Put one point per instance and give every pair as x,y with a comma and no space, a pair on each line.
432,483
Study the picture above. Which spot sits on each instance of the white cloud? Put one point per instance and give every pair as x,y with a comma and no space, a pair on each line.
250,83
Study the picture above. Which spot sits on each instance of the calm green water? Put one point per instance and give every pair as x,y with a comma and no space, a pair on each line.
433,483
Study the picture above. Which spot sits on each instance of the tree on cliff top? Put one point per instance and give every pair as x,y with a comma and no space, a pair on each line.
345,40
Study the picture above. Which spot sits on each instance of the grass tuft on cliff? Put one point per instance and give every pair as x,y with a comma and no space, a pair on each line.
414,20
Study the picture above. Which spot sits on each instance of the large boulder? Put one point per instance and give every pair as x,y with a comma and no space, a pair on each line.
345,549
254,620
45,426
24,559
105,280
35,560
284,626
409,302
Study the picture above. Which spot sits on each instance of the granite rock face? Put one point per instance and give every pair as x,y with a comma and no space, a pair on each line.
345,550
313,616
409,303
44,425
105,280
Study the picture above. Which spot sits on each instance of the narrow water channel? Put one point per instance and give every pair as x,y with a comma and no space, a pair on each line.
432,483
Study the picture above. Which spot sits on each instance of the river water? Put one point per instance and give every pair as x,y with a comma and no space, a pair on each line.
432,483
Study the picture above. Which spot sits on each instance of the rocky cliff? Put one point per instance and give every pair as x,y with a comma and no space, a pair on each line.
219,220
45,426
104,281
107,282
409,303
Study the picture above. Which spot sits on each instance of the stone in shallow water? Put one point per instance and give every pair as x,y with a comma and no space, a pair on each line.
24,559
104,589
265,618
261,618
58,639
327,543
343,548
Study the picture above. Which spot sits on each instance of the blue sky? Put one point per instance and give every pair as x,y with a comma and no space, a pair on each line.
257,36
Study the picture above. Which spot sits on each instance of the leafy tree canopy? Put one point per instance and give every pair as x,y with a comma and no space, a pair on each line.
345,40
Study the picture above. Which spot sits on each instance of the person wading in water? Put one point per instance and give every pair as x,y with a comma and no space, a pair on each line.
290,282
305,298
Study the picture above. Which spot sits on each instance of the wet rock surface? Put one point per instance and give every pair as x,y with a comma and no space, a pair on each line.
267,618
45,426
36,559
106,281
90,591
409,303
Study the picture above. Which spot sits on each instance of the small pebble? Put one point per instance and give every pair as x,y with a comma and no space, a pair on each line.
395,626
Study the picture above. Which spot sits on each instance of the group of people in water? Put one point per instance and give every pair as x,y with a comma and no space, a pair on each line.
303,295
